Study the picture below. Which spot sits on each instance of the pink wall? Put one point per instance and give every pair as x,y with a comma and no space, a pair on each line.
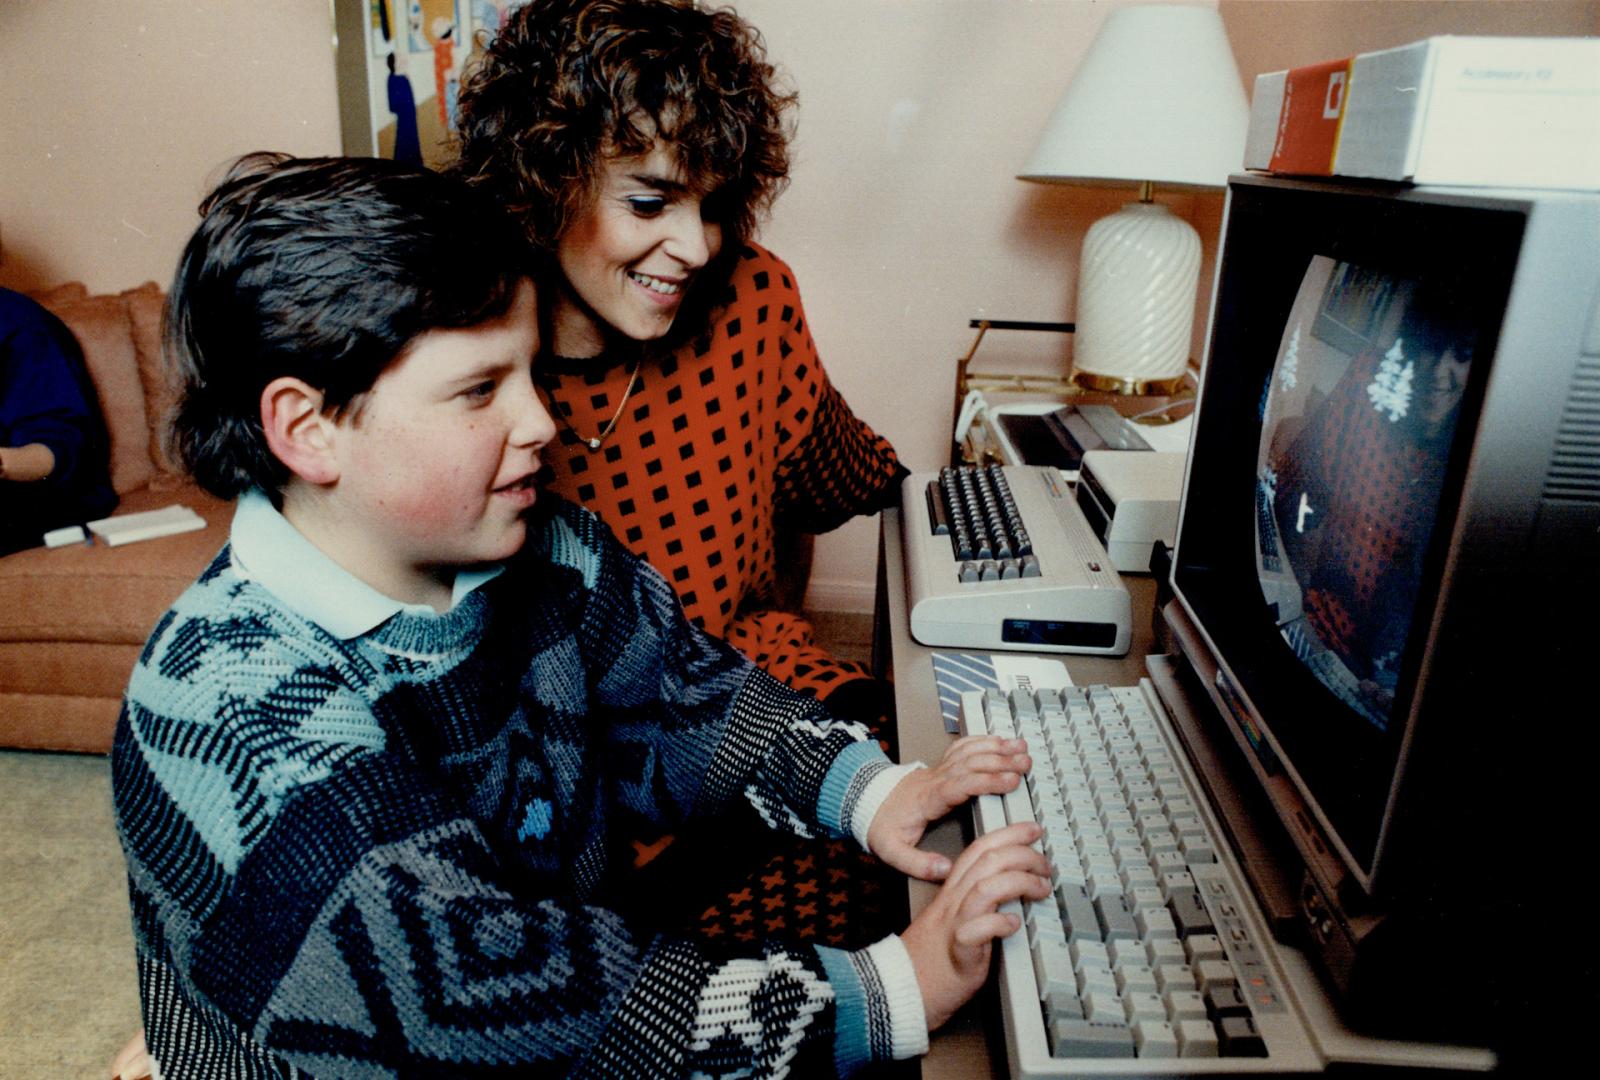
903,220
115,113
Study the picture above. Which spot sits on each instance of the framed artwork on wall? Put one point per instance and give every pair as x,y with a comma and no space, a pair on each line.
400,64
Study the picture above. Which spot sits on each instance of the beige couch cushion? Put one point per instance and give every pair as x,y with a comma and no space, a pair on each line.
155,375
110,595
103,329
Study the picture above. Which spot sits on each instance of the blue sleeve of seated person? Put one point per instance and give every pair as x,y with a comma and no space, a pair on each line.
46,397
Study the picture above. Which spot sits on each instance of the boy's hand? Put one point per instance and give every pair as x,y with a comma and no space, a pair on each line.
976,765
950,941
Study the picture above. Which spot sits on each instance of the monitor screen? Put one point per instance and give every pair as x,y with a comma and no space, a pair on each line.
1357,416
1351,339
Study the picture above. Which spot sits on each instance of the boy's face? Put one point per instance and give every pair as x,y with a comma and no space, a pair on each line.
437,464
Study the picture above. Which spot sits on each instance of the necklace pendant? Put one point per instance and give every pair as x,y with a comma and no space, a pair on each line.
594,444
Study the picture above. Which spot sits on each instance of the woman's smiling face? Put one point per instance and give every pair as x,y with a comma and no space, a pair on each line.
630,259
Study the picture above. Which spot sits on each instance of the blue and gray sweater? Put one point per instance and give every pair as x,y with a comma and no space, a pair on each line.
365,839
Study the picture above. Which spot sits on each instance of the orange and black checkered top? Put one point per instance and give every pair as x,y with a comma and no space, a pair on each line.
723,445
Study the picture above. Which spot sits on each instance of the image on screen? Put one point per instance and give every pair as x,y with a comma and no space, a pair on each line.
1357,419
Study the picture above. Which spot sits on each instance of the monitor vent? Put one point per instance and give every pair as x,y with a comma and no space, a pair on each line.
1575,467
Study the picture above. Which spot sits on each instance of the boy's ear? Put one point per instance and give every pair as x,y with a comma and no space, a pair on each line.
297,431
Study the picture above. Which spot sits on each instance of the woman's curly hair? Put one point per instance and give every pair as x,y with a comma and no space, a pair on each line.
567,83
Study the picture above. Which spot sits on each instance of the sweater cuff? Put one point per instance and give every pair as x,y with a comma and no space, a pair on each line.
844,783
878,1013
873,792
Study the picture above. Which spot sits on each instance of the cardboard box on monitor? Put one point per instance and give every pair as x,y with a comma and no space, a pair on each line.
1481,111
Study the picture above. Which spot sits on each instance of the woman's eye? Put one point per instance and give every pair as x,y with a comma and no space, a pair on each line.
646,206
482,391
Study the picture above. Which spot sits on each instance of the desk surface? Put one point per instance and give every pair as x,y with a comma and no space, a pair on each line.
961,1049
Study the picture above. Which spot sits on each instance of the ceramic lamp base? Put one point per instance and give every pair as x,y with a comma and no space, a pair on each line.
1136,293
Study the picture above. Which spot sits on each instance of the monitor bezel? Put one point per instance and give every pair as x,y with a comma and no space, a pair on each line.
1270,225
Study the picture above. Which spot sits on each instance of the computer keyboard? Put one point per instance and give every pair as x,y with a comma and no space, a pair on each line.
1001,557
1151,959
975,508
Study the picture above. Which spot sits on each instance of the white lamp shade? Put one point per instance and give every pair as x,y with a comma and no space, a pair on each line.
1157,98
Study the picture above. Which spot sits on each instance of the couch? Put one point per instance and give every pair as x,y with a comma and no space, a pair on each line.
72,619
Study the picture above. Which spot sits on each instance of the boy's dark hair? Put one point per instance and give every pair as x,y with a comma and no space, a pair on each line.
323,269
567,83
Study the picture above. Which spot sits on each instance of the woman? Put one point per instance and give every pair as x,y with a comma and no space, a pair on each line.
639,142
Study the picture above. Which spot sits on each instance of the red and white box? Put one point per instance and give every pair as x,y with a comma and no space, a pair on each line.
1482,111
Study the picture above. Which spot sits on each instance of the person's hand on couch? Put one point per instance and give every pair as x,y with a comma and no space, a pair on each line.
134,1062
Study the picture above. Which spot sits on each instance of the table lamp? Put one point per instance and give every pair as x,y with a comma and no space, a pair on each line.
1157,100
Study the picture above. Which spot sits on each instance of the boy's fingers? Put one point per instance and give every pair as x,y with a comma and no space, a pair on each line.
912,860
1004,885
989,761
1015,837
958,789
977,746
983,929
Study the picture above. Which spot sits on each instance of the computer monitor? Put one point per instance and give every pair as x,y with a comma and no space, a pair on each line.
1388,546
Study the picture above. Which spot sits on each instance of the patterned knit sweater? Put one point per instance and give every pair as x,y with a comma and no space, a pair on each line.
734,440
383,851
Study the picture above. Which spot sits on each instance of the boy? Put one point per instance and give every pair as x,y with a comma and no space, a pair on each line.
371,762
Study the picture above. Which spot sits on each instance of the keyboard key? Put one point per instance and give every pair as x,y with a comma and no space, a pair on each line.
1224,999
1136,876
1102,1006
1196,1039
1063,1005
1081,1038
1164,951
1044,919
1200,947
1185,1005
1116,921
1144,1006
1189,915
1161,840
1175,978
1023,705
938,519
1211,974
1143,897
1095,979
1135,979
1053,969
1155,1039
1165,861
1178,879
1239,1037
1089,952
1078,911
1155,923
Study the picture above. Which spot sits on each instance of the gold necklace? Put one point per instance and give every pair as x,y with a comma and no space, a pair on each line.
605,432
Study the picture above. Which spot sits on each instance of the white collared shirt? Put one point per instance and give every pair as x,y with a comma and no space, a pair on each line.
270,551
